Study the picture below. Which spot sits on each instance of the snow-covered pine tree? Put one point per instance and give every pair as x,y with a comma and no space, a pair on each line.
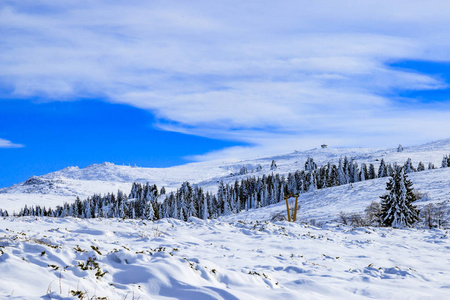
342,177
149,212
312,181
226,200
205,211
445,161
409,167
382,171
371,174
347,168
87,209
390,169
355,172
396,206
291,184
273,165
333,177
364,172
420,167
310,165
121,204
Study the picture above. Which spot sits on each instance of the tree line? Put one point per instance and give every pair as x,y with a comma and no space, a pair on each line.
146,201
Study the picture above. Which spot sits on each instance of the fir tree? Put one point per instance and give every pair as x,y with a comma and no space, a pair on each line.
149,212
205,214
382,171
445,161
342,177
273,165
409,167
420,167
396,206
364,173
371,172
310,165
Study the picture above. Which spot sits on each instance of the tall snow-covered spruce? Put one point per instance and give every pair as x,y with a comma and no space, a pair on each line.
397,209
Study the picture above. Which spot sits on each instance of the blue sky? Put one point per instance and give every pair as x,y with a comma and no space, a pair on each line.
79,133
161,83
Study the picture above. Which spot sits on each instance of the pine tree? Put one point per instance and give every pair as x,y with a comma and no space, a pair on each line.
149,212
409,167
371,172
205,214
310,165
445,162
342,178
312,181
364,173
396,206
273,165
382,171
420,167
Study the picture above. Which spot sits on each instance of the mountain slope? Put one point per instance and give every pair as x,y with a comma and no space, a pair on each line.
237,256
66,184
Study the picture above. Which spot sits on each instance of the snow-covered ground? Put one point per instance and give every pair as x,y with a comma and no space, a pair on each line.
240,256
324,205
50,258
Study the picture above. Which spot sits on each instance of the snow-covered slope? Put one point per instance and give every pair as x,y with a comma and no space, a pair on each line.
65,185
169,259
240,256
324,205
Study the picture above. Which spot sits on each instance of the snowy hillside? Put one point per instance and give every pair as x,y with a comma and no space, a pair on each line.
237,256
325,204
65,185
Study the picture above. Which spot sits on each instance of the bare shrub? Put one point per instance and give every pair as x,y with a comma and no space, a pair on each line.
435,215
421,196
373,214
278,217
344,218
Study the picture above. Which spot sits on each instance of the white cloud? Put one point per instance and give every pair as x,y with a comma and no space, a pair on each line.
8,144
279,76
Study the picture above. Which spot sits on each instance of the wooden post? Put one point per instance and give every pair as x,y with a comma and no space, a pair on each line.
295,211
294,216
287,208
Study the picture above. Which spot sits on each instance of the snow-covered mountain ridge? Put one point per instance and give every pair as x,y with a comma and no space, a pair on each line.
65,185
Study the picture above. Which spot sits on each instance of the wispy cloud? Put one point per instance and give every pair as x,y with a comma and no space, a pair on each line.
8,144
278,76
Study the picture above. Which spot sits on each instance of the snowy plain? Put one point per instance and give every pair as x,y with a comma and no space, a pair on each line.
240,256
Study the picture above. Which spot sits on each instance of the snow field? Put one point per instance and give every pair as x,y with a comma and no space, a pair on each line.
171,259
240,256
